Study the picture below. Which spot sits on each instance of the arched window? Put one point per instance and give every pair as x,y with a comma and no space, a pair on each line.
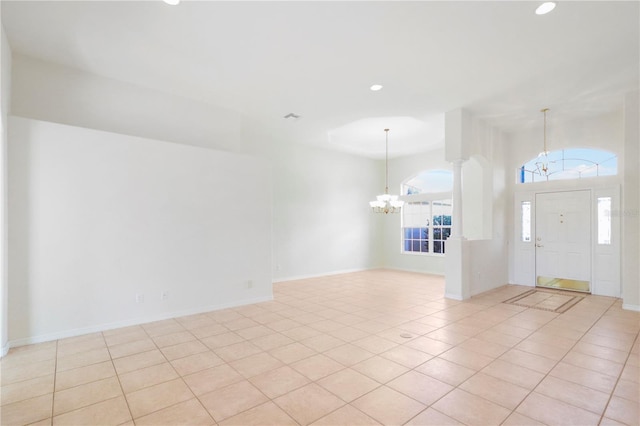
573,163
429,181
426,214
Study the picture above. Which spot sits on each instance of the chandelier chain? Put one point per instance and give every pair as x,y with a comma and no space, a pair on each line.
386,203
386,161
544,111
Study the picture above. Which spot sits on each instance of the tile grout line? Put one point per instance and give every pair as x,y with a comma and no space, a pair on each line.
533,331
126,401
474,374
560,360
414,368
271,400
310,299
82,384
405,344
175,371
231,384
512,347
611,395
196,396
55,376
118,375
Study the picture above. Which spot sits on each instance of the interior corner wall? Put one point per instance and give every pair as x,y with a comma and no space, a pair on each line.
400,170
320,196
322,223
5,98
102,224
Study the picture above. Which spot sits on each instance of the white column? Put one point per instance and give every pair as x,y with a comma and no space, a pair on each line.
456,214
631,204
5,96
457,279
458,134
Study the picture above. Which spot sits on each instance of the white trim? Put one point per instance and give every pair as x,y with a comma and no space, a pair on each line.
523,285
136,321
631,307
427,196
417,271
423,253
453,296
562,185
5,350
325,274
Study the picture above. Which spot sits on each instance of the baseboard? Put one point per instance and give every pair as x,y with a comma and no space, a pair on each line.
629,307
325,274
416,271
4,350
126,323
350,271
453,296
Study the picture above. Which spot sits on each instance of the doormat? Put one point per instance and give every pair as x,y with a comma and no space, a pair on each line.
563,284
545,300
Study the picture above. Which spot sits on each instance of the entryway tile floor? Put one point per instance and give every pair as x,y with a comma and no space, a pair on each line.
365,348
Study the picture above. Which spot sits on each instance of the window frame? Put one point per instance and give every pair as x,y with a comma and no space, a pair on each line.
421,198
562,172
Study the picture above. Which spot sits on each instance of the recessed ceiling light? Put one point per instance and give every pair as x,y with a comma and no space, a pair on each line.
376,87
545,8
172,2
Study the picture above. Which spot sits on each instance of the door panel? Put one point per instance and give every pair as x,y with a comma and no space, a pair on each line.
563,240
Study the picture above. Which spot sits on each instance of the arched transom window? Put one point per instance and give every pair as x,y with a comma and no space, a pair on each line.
573,163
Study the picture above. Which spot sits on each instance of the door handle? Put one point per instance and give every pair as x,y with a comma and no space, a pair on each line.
539,245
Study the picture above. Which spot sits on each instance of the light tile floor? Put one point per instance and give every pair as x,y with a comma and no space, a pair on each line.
334,351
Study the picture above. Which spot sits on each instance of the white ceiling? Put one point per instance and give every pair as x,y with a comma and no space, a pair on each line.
318,59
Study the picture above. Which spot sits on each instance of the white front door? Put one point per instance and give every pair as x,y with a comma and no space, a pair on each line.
563,240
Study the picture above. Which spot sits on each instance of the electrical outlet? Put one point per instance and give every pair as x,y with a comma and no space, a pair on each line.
164,295
139,298
250,284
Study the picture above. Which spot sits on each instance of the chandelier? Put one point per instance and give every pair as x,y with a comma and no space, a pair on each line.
386,203
542,163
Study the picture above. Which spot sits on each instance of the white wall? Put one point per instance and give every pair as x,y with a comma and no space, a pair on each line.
602,132
5,97
322,222
51,92
320,196
97,217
